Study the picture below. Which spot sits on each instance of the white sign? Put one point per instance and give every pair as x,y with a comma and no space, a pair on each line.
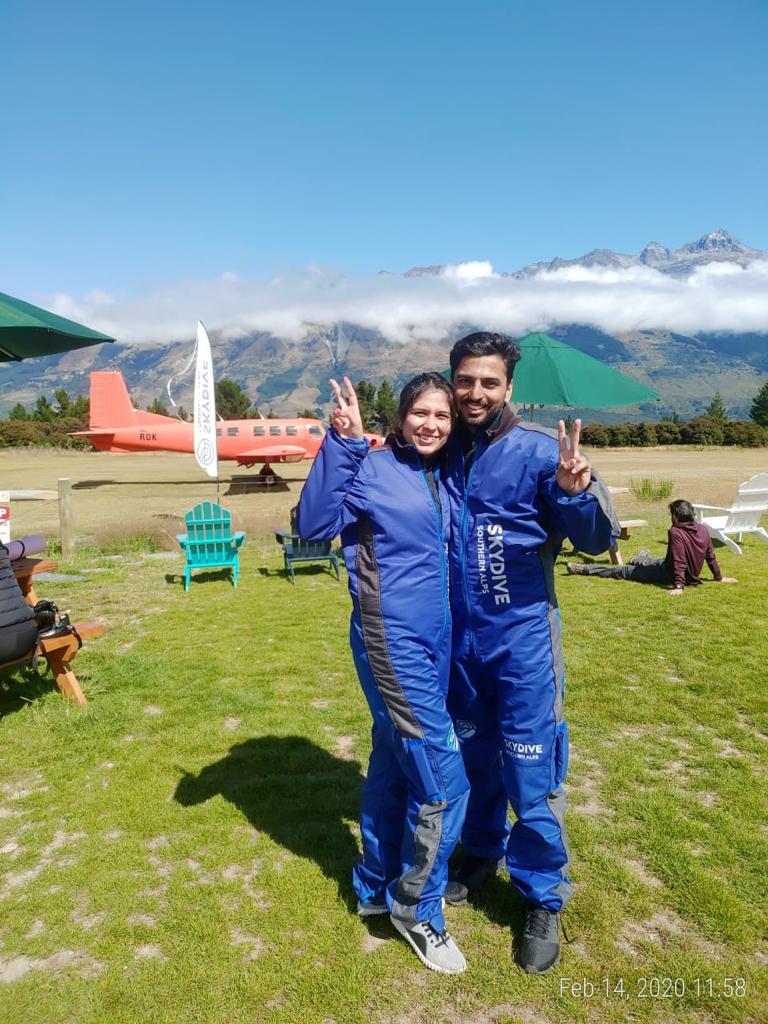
205,406
5,517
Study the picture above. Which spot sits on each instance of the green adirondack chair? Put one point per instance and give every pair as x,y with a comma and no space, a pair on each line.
209,542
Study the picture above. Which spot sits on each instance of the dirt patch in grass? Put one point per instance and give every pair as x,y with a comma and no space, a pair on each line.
58,963
238,937
345,747
372,942
584,795
144,920
664,927
639,867
727,749
149,951
19,879
747,726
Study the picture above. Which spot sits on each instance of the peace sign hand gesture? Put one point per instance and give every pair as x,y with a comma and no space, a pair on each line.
573,472
346,417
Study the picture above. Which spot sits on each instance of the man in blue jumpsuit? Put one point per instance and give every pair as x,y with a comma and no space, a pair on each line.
516,490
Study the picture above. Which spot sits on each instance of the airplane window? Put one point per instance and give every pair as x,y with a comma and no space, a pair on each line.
233,431
274,431
315,432
292,431
218,431
259,431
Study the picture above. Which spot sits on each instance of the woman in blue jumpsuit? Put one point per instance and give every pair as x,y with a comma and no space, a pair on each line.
390,508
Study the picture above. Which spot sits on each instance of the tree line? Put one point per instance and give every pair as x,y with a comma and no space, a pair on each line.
48,424
712,428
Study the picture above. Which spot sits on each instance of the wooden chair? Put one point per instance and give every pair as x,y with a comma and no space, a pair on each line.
209,542
744,515
296,549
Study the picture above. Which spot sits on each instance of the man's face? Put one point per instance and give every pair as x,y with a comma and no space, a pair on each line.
481,389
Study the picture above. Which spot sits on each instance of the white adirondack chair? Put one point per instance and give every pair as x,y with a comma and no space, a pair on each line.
749,506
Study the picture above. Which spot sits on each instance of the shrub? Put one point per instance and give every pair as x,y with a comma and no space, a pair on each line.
702,430
668,432
649,489
745,433
641,435
618,434
595,434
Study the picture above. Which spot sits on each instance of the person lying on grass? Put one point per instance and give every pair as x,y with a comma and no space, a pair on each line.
688,546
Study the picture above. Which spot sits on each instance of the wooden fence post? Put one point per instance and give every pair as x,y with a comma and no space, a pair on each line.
66,519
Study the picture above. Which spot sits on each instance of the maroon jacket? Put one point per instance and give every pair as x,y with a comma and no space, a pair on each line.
689,544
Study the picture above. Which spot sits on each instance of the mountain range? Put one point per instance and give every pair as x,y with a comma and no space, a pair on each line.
288,376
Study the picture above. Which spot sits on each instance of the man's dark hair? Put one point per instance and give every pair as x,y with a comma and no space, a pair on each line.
418,384
483,343
682,511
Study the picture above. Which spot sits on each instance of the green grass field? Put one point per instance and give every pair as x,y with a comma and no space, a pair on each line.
180,849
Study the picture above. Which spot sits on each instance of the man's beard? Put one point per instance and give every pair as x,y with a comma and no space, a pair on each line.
489,415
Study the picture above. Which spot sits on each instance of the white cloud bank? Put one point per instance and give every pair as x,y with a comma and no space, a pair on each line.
714,297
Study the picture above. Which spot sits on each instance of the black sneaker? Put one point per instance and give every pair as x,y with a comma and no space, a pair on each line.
471,876
540,950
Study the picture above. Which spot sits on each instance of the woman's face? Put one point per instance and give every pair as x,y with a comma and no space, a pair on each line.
428,422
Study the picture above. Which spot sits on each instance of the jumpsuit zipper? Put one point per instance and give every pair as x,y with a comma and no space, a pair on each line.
433,493
463,549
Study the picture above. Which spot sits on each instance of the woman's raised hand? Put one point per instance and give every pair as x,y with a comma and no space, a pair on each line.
346,417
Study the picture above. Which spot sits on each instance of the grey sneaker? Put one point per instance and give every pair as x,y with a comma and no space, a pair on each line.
436,950
576,568
540,950
372,907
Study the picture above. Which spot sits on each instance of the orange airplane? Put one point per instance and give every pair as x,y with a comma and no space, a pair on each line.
115,426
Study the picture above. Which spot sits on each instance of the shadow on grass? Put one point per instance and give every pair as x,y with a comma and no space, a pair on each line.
300,571
177,578
298,793
21,686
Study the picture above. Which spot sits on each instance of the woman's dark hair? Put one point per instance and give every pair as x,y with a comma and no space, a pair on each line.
416,386
682,511
483,343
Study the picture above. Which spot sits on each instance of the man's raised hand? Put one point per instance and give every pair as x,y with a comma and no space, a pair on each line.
346,416
573,471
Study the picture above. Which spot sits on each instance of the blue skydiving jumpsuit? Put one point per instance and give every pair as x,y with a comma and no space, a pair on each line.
509,516
394,522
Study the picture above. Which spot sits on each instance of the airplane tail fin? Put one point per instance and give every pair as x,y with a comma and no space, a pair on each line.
111,404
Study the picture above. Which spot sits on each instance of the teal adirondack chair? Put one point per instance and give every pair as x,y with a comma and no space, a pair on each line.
209,542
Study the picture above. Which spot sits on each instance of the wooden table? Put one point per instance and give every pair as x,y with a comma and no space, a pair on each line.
25,568
626,525
58,651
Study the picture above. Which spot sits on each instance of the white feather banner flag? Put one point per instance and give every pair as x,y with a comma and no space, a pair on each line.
205,406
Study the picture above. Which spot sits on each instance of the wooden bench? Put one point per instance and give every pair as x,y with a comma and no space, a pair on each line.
626,525
58,651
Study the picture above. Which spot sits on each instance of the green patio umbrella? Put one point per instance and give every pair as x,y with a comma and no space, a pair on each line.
26,331
553,373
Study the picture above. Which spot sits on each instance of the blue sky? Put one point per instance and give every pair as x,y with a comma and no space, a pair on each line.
155,142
